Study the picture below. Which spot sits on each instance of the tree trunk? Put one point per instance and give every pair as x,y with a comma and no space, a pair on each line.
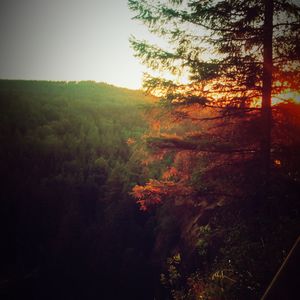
266,113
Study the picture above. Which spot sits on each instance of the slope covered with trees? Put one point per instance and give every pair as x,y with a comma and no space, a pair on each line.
69,228
106,195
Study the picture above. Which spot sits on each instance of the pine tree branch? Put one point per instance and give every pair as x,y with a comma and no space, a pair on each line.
181,145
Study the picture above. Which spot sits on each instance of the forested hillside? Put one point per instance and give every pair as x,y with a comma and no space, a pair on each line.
106,194
69,228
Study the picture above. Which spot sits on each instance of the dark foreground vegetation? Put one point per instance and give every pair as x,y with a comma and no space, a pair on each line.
72,158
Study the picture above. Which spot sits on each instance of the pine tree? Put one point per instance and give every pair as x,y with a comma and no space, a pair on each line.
215,135
238,54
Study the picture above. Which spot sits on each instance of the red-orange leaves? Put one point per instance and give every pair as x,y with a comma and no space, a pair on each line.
149,194
154,191
170,174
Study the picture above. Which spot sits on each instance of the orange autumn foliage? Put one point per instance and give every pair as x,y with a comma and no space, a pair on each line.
154,191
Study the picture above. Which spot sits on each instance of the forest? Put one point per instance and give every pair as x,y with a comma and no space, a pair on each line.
179,191
69,227
73,156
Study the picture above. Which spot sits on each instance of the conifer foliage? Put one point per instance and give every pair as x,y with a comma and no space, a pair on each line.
237,55
227,48
228,157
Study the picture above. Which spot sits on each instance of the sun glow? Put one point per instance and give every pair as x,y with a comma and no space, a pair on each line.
282,92
287,95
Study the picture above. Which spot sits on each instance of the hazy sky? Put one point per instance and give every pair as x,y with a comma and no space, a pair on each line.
69,40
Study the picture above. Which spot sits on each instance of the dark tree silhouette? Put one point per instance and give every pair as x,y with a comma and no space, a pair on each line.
229,155
237,54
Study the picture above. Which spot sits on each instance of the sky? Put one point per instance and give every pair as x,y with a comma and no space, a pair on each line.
70,40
